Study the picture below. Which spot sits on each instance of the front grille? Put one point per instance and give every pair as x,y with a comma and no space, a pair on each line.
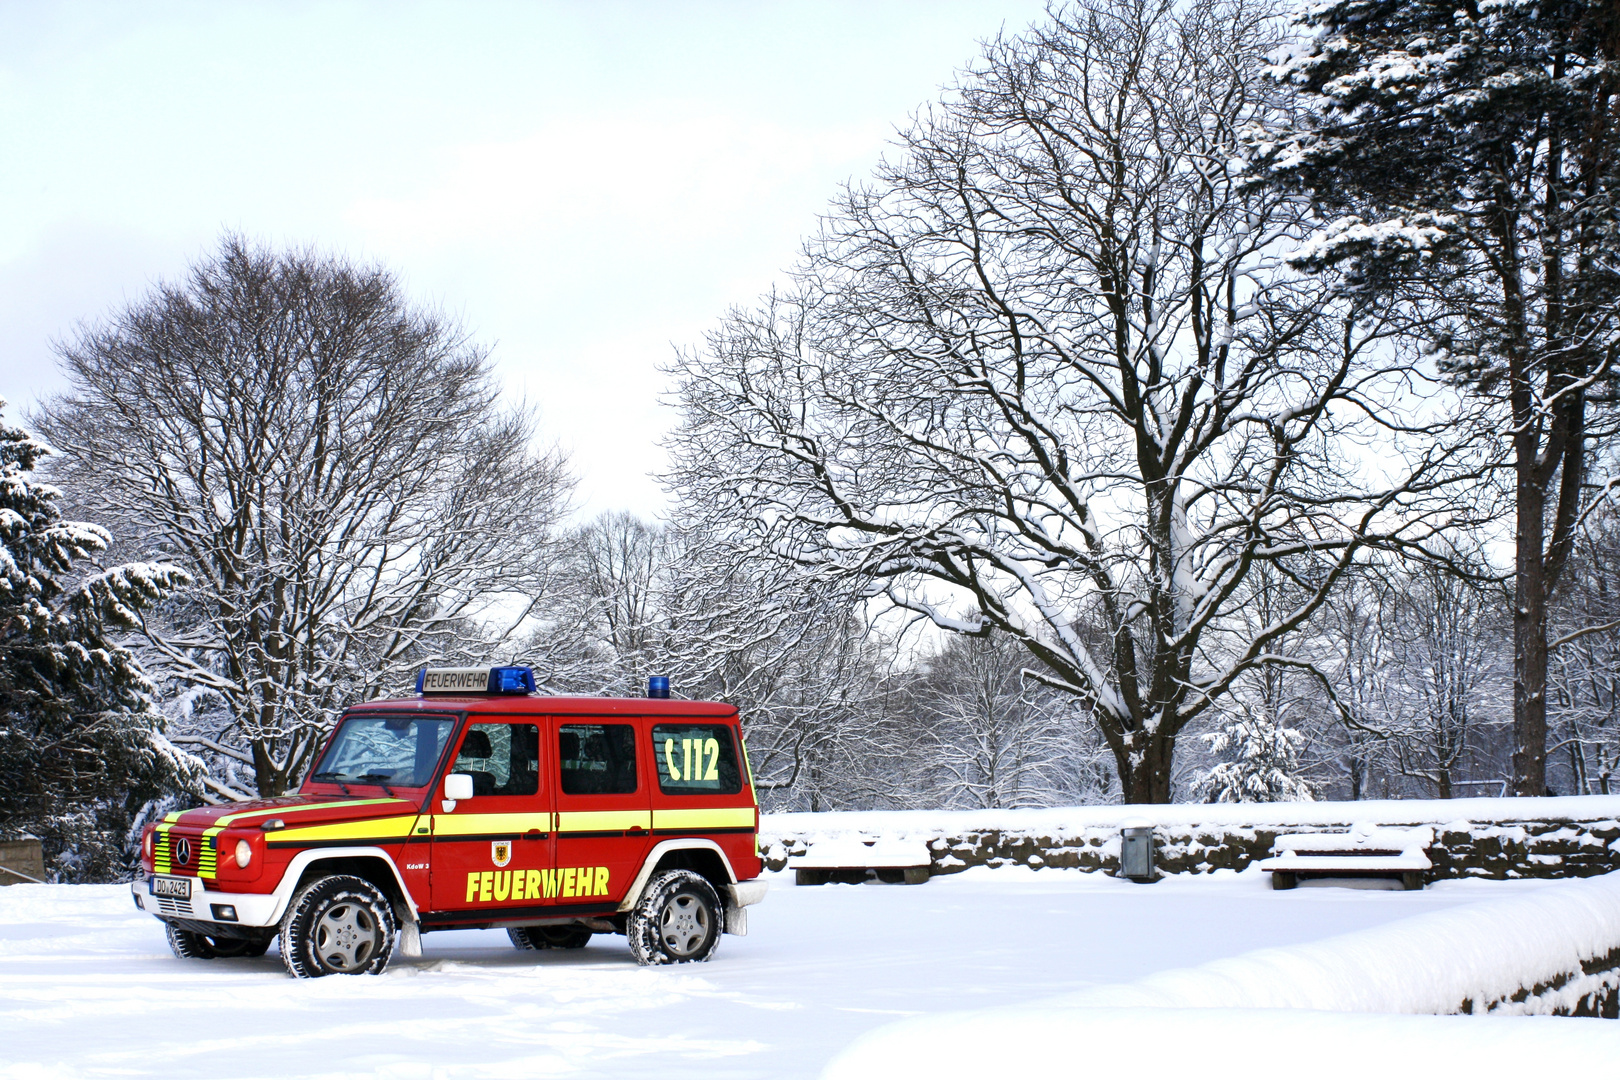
168,905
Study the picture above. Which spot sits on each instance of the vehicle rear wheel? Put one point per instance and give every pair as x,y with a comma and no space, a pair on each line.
676,921
549,937
338,925
190,945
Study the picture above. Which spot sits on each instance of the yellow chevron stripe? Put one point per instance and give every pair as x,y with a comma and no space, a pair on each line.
161,847
447,825
729,817
603,820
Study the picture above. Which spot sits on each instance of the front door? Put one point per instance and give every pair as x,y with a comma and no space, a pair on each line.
604,810
489,851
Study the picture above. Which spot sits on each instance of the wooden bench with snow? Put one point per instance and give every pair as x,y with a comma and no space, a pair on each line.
853,861
1363,852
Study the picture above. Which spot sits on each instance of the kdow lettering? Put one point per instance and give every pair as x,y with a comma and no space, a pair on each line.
499,886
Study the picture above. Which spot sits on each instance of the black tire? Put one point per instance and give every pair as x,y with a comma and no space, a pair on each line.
190,945
338,925
550,937
678,920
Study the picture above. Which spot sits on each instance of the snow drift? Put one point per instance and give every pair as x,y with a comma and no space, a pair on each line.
1552,951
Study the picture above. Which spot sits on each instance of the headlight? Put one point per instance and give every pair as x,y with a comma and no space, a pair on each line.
244,853
146,843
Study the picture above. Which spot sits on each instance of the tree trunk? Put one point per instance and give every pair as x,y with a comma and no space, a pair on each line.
1529,623
1147,781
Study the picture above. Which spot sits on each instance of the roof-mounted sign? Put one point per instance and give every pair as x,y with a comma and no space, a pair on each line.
476,680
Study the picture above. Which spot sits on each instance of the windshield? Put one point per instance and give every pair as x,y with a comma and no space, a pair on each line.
390,751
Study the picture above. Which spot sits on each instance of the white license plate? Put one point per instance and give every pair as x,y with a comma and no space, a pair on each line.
176,888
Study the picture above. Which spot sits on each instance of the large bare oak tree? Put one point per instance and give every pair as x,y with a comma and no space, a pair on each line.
1050,374
333,467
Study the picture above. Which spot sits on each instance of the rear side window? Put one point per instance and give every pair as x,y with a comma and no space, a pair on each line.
597,759
503,759
696,759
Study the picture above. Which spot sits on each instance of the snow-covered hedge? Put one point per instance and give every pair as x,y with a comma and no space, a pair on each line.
1555,950
1552,951
1577,836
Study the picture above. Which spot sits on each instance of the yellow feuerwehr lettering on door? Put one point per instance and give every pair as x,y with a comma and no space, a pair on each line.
532,884
503,885
472,886
486,882
568,881
601,881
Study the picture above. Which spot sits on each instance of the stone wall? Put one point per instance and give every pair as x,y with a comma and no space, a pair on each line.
1540,847
23,856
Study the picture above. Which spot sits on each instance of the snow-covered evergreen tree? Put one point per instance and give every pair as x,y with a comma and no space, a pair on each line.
1466,161
1261,761
82,754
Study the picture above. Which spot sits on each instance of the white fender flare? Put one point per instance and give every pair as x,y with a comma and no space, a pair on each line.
663,848
300,862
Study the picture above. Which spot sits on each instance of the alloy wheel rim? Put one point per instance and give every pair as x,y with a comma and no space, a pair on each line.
345,936
684,925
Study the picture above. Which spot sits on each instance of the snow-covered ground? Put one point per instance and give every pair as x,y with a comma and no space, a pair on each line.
88,987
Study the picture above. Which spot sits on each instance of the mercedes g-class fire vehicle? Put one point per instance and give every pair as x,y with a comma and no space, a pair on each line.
476,804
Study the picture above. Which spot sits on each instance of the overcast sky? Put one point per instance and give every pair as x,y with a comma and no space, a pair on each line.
585,185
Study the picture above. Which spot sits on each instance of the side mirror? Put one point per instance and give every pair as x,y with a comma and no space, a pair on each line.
458,786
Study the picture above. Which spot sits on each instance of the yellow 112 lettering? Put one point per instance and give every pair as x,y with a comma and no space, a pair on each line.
689,771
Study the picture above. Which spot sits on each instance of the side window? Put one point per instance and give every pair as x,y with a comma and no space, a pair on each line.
696,759
503,759
597,759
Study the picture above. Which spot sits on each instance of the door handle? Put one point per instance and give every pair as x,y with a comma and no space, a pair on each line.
632,830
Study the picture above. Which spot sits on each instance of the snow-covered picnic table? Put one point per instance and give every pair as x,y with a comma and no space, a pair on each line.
1364,851
848,859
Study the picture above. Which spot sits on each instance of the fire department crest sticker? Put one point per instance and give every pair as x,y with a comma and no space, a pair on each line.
500,852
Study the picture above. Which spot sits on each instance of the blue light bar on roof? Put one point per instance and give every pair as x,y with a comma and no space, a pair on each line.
479,680
511,680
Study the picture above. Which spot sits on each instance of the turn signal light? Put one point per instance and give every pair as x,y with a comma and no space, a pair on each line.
244,853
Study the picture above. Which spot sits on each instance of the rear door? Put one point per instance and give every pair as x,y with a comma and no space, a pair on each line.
490,850
702,786
604,815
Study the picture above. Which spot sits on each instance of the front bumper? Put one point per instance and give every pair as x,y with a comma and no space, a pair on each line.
208,905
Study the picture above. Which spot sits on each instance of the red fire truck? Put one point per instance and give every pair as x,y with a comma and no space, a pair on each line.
475,804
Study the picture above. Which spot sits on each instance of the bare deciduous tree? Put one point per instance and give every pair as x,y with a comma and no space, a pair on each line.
1445,680
994,738
1052,361
335,470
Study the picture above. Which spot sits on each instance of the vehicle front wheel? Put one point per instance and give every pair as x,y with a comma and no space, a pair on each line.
549,937
338,925
676,921
190,945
